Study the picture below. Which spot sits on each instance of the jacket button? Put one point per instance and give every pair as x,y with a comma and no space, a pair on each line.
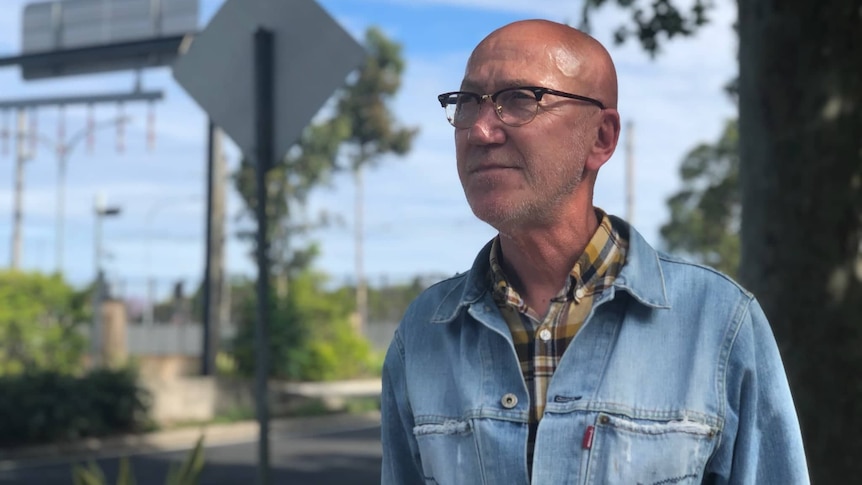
509,401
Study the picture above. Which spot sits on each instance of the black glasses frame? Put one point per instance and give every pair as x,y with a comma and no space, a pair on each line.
537,91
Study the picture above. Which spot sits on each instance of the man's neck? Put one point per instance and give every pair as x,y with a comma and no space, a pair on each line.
537,260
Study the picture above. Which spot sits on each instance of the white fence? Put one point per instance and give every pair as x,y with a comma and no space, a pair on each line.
183,339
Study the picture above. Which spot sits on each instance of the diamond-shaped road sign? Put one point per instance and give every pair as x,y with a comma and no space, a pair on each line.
313,56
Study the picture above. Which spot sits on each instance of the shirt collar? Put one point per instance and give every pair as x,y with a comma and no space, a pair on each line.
641,277
606,246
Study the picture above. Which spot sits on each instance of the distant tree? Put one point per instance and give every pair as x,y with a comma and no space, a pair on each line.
387,303
307,166
800,150
704,214
354,131
357,133
373,132
38,314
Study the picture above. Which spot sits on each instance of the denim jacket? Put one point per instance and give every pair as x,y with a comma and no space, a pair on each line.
674,378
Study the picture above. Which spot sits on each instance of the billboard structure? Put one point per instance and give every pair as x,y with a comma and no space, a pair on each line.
61,38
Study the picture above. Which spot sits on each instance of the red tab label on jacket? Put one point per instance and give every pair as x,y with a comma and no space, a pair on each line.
587,443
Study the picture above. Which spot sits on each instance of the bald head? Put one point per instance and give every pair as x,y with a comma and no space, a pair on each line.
579,60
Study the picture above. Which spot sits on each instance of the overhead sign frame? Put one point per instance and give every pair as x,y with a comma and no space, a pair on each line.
70,37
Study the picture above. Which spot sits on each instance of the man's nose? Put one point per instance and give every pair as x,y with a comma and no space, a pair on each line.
487,127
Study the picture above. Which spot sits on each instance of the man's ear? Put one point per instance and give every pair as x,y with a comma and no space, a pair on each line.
607,136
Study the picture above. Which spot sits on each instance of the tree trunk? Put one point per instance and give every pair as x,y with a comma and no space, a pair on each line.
800,100
359,234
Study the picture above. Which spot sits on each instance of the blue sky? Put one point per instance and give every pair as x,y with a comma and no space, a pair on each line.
417,221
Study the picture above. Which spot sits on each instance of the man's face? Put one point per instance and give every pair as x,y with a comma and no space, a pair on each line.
515,177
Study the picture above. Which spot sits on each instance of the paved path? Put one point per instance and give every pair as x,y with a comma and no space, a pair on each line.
320,450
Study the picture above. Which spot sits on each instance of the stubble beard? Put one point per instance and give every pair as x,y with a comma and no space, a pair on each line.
537,209
540,207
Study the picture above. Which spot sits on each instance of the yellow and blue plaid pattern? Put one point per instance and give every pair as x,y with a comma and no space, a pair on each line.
541,341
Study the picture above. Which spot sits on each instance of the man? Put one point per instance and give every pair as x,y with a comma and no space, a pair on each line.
572,351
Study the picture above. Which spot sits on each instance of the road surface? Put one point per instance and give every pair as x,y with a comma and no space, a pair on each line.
317,456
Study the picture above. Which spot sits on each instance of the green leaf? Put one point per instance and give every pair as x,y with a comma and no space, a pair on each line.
188,473
90,475
125,475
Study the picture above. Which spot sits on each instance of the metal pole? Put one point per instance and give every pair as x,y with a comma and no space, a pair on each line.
214,268
64,149
264,102
18,210
206,368
61,204
97,285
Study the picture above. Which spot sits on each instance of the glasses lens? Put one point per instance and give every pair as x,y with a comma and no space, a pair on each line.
517,106
461,109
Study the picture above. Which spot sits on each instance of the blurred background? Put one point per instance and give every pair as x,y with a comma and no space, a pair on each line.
128,221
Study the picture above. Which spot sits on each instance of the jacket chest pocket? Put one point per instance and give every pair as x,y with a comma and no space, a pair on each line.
630,452
448,451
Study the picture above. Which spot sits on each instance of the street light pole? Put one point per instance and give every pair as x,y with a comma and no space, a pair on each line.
18,210
64,149
101,211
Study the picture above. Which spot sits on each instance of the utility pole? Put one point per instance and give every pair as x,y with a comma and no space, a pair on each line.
21,105
18,209
630,171
214,277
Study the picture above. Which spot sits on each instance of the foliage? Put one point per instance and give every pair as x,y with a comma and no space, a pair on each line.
311,337
661,19
373,131
364,104
360,118
704,215
51,406
308,165
186,473
389,302
37,324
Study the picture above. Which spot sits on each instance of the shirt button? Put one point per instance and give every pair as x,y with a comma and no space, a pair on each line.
509,400
579,293
545,334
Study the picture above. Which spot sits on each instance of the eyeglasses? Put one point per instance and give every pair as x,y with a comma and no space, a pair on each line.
515,106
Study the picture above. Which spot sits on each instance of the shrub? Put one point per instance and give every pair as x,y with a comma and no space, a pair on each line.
37,324
50,406
310,335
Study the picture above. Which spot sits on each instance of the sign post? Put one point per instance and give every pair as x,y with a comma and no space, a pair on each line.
233,76
264,94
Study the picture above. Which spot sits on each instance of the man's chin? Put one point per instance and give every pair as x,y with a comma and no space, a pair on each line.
497,215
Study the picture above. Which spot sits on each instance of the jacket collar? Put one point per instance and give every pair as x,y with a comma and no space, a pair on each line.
641,276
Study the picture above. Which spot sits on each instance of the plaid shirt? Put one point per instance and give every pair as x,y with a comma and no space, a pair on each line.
541,342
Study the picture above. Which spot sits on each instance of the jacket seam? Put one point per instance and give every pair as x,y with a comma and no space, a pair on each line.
742,311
